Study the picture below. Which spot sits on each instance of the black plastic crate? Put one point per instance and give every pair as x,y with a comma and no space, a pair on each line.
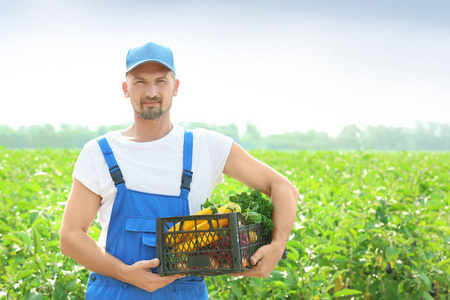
211,252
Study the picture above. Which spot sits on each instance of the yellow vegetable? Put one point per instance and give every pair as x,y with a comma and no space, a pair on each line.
227,208
253,236
188,225
201,224
230,207
201,241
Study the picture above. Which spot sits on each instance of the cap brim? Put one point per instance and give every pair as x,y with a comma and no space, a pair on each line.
149,60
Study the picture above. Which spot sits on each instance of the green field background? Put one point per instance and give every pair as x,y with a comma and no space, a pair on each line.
358,211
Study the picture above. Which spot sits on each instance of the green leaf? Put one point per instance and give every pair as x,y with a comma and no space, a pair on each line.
293,254
434,205
425,280
36,239
252,217
347,292
362,238
426,295
331,249
236,292
70,285
380,215
277,284
24,273
33,216
295,244
444,262
34,296
392,253
24,237
13,239
26,205
317,227
58,291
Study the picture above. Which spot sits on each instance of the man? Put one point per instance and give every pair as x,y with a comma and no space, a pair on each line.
131,177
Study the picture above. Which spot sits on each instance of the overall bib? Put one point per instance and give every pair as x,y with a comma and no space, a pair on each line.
132,233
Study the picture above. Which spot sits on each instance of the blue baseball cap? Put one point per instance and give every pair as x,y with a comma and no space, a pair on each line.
150,52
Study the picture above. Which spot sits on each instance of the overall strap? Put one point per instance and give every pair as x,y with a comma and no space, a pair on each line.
187,164
114,170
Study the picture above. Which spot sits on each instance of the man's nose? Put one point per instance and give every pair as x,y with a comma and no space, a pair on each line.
152,90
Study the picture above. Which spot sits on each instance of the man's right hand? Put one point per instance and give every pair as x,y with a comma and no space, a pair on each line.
140,275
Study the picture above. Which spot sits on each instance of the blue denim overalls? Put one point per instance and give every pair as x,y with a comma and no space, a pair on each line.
132,233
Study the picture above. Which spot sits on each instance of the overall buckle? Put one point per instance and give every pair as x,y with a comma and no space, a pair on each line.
186,180
116,175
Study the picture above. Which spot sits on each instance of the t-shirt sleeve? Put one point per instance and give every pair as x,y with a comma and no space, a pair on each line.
219,146
86,169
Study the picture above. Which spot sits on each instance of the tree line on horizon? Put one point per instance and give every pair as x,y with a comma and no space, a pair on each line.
424,136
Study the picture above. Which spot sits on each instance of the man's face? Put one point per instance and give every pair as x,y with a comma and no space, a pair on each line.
150,87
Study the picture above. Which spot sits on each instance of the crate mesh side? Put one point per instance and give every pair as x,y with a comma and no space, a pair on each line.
209,252
251,238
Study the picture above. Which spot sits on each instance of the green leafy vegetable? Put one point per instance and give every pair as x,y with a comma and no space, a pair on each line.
255,202
252,217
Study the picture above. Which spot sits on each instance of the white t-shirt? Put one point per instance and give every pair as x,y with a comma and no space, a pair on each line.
153,167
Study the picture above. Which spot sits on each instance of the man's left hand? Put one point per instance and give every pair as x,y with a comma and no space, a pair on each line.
264,260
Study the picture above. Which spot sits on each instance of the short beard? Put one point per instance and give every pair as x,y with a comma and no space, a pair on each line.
152,113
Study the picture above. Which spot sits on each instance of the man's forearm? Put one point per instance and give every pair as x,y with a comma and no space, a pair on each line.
285,199
79,246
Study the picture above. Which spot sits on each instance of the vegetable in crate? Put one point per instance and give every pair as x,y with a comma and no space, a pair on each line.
181,241
202,240
188,225
223,256
256,207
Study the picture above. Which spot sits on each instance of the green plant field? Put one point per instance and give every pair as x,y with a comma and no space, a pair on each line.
357,212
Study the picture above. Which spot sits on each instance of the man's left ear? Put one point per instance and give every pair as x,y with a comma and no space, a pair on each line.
175,87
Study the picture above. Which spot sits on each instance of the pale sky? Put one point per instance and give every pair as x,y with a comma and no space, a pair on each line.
280,65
